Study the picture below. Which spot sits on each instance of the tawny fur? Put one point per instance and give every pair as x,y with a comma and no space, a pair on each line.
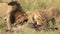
43,16
15,14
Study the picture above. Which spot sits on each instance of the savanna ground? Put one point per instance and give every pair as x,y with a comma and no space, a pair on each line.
29,6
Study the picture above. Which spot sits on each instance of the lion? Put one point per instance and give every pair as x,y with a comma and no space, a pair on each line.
15,15
41,17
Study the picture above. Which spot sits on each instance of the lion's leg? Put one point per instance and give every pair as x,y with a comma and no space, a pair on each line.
53,22
47,25
8,23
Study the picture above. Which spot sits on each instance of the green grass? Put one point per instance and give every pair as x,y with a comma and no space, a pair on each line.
29,6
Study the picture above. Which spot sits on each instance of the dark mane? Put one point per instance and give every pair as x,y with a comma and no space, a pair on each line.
17,10
15,3
17,16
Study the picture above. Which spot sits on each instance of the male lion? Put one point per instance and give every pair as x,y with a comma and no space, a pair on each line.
15,15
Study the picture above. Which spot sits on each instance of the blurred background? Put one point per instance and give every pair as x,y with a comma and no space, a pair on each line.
28,6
